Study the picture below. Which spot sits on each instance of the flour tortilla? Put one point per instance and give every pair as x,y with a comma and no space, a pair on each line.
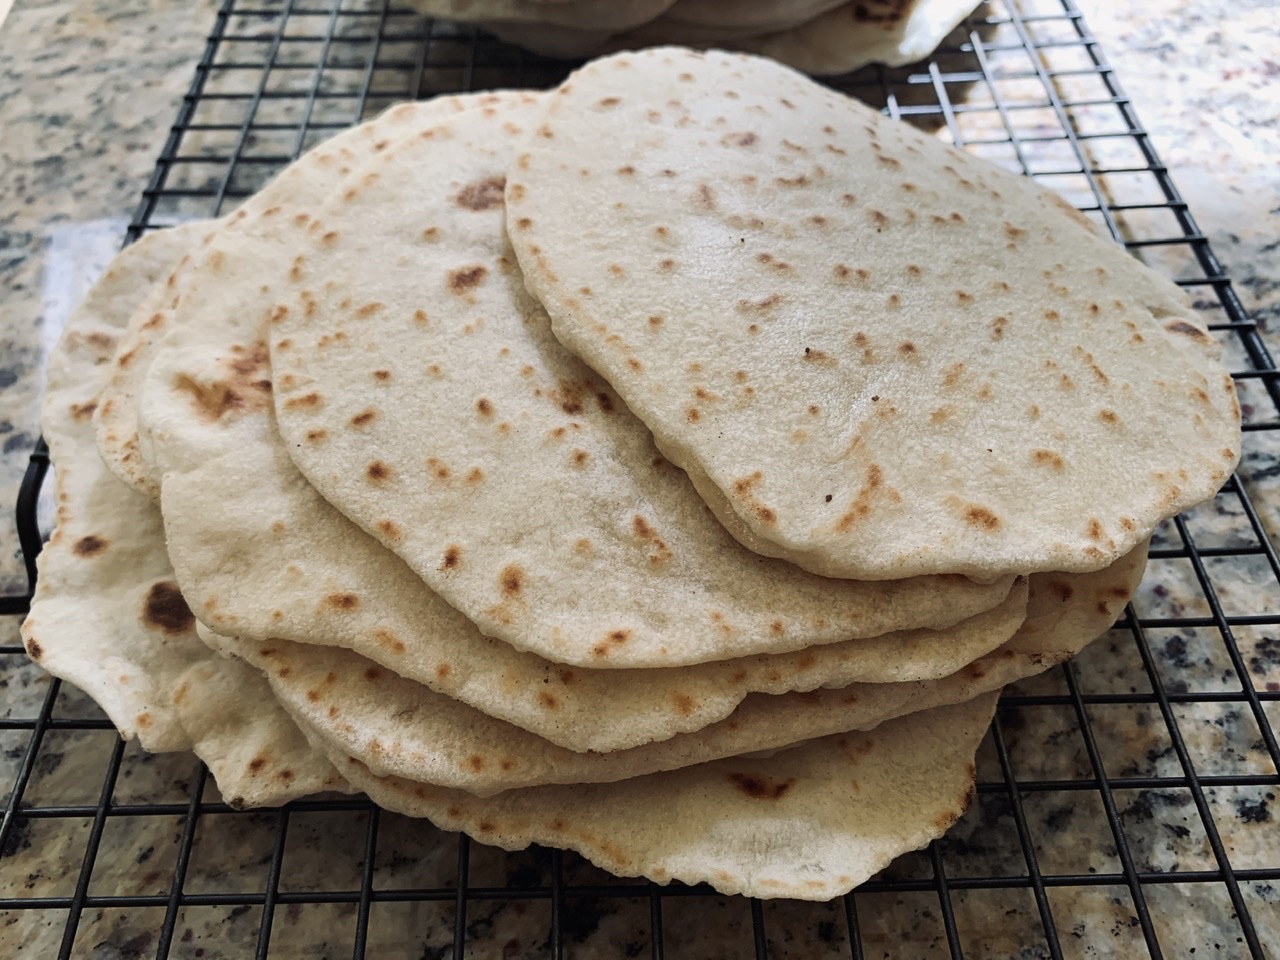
425,397
670,30
764,16
572,42
808,283
399,728
116,414
810,823
107,615
580,15
565,43
816,36
261,555
257,755
892,32
310,176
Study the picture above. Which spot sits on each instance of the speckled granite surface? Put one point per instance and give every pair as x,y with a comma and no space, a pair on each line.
87,91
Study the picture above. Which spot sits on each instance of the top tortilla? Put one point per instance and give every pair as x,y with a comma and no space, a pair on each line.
876,356
893,32
425,397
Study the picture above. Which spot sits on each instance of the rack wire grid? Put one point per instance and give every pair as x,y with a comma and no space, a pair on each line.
1125,804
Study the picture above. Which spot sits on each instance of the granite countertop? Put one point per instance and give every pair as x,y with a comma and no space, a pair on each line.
88,89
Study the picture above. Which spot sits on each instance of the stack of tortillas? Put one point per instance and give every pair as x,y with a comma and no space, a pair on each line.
671,467
817,36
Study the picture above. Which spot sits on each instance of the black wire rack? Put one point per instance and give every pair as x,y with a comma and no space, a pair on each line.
1126,803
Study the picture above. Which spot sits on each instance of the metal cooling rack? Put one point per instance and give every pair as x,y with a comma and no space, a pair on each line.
1123,805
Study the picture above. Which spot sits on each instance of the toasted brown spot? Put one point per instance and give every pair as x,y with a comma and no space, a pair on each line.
166,610
684,704
1047,458
548,701
342,601
981,517
512,580
364,418
613,639
245,386
1061,589
941,414
389,529
1188,330
452,558
378,472
1108,416
767,303
310,401
907,348
101,340
1095,530
761,788
481,195
89,546
465,279
484,407
315,436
